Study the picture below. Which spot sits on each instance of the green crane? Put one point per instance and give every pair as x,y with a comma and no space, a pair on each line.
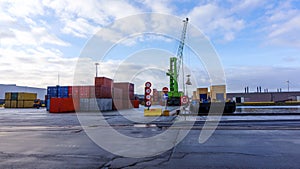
173,72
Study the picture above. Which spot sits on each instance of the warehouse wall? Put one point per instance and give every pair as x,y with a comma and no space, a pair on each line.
14,88
265,97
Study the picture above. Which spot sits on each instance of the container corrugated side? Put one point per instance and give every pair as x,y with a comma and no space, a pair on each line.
27,96
63,91
7,96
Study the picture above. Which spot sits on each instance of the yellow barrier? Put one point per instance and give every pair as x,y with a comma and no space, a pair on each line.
152,112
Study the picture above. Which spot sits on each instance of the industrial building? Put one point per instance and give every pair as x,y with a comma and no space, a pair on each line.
264,96
4,88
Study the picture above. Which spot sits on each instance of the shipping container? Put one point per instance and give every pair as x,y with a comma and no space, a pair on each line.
118,104
117,93
61,105
125,86
58,91
92,104
63,91
103,81
48,105
7,104
25,103
52,91
14,96
73,91
103,92
7,96
218,92
27,96
84,91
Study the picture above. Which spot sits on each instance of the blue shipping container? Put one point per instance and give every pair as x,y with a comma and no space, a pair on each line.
58,91
48,104
63,92
52,91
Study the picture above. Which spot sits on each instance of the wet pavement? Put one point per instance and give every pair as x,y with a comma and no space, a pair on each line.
33,138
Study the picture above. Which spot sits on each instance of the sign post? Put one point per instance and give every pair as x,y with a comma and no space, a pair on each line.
166,96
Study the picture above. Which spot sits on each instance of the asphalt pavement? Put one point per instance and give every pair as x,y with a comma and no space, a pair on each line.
34,138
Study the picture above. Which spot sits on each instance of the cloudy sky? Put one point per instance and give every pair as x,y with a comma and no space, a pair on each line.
258,42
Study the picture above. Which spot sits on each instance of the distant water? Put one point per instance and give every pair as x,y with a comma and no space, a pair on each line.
267,109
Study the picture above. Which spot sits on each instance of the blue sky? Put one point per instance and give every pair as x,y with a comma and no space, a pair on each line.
258,42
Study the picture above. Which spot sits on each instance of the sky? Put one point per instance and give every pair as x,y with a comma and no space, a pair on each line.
257,42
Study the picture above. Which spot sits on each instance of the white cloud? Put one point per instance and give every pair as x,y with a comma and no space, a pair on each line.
216,21
282,25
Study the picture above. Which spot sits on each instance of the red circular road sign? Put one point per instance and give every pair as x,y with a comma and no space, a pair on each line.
148,84
147,91
148,97
148,103
165,89
184,100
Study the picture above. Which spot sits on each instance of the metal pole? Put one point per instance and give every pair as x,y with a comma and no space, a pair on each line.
96,69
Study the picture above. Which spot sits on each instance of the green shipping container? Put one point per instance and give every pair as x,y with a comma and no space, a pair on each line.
14,96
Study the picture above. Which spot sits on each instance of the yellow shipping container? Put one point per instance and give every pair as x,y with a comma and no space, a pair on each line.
7,96
218,92
28,104
7,104
20,104
13,104
27,96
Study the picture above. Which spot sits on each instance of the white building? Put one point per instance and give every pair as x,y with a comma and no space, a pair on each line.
4,88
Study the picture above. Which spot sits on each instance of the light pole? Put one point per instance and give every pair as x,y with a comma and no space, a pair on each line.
96,64
188,82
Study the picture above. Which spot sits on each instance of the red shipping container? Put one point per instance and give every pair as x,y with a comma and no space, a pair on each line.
103,92
84,91
103,81
127,89
73,91
62,105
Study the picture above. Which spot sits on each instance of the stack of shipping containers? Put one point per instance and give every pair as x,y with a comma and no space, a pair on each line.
59,100
19,100
105,95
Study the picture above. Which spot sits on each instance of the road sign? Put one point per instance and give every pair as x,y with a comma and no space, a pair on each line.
184,99
166,96
147,91
165,89
148,103
148,84
147,94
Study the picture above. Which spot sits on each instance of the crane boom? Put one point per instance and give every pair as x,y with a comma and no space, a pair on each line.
173,72
181,45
